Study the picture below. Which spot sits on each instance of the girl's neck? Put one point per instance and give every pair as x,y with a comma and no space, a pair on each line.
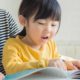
29,42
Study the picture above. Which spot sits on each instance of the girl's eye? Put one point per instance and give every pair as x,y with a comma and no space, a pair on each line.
53,25
41,23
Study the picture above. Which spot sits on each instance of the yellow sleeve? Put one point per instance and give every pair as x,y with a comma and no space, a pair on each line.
13,63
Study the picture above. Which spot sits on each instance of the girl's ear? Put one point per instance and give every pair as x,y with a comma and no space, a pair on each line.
22,20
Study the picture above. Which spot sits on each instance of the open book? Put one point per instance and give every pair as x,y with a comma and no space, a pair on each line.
75,74
48,73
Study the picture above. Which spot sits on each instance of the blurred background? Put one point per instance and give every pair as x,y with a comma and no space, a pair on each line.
68,37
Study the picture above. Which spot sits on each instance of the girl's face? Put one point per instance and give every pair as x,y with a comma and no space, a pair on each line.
40,31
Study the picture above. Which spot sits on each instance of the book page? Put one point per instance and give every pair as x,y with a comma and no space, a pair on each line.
46,74
75,74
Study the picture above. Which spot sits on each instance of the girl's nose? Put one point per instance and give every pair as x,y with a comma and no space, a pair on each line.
48,29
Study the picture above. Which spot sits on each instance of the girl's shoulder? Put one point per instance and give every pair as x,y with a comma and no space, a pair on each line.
13,40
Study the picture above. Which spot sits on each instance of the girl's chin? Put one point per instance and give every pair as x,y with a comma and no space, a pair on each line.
44,41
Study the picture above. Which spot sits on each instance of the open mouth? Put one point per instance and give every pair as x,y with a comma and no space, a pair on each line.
45,38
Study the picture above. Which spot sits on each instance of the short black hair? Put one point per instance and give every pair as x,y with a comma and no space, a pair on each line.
43,9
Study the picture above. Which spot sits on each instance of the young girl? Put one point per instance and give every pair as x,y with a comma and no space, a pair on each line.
41,18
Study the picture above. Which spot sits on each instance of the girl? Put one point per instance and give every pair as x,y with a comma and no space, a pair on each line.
41,18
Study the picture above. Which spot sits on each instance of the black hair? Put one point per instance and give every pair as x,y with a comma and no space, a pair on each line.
43,8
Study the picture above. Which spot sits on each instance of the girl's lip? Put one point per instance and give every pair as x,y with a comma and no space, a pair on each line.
46,37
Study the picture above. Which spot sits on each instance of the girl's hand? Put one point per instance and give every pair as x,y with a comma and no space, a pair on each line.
1,76
76,63
70,65
57,63
73,65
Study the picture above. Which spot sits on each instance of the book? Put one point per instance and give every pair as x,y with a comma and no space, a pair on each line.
48,73
76,74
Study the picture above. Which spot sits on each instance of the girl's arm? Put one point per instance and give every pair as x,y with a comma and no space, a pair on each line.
13,62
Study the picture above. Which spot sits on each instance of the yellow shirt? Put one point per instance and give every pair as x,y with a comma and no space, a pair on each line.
18,56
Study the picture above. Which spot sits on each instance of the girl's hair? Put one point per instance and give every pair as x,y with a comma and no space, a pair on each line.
42,9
